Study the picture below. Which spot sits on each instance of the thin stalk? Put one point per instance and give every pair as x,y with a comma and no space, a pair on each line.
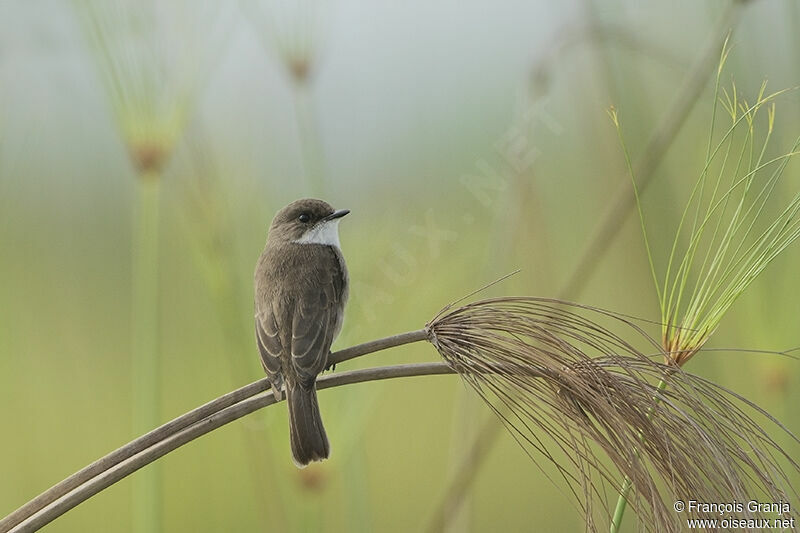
465,424
657,144
208,219
638,203
479,447
165,431
622,500
123,469
146,385
377,345
309,137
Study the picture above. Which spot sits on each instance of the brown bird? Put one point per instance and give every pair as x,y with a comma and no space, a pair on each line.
301,288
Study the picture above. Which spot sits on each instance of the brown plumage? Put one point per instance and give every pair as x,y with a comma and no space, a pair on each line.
301,288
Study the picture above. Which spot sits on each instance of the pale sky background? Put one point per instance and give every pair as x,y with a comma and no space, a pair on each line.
406,93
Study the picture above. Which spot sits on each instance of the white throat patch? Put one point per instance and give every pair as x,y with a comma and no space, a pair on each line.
324,233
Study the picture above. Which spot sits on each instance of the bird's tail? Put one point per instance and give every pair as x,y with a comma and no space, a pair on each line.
307,434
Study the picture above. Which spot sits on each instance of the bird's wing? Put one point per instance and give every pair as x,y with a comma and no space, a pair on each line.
315,322
269,342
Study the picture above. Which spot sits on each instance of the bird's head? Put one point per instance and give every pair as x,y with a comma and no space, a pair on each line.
307,221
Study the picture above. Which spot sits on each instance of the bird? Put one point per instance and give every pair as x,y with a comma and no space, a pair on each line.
301,288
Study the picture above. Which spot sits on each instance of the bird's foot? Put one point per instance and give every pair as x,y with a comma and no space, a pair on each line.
330,366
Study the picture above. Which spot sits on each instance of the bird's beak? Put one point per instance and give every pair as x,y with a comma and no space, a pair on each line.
337,214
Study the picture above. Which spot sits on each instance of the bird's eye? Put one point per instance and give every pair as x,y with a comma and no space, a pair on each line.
304,218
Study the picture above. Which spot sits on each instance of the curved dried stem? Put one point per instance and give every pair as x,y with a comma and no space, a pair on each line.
255,401
178,424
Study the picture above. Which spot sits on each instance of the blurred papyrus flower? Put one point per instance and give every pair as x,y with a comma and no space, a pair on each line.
293,30
153,58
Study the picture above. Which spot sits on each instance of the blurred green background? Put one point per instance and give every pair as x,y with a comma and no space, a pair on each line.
469,139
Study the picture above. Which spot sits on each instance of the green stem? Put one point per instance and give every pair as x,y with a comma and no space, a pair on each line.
145,383
622,504
622,501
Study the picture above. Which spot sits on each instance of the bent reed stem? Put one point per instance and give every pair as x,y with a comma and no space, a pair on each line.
218,419
175,426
